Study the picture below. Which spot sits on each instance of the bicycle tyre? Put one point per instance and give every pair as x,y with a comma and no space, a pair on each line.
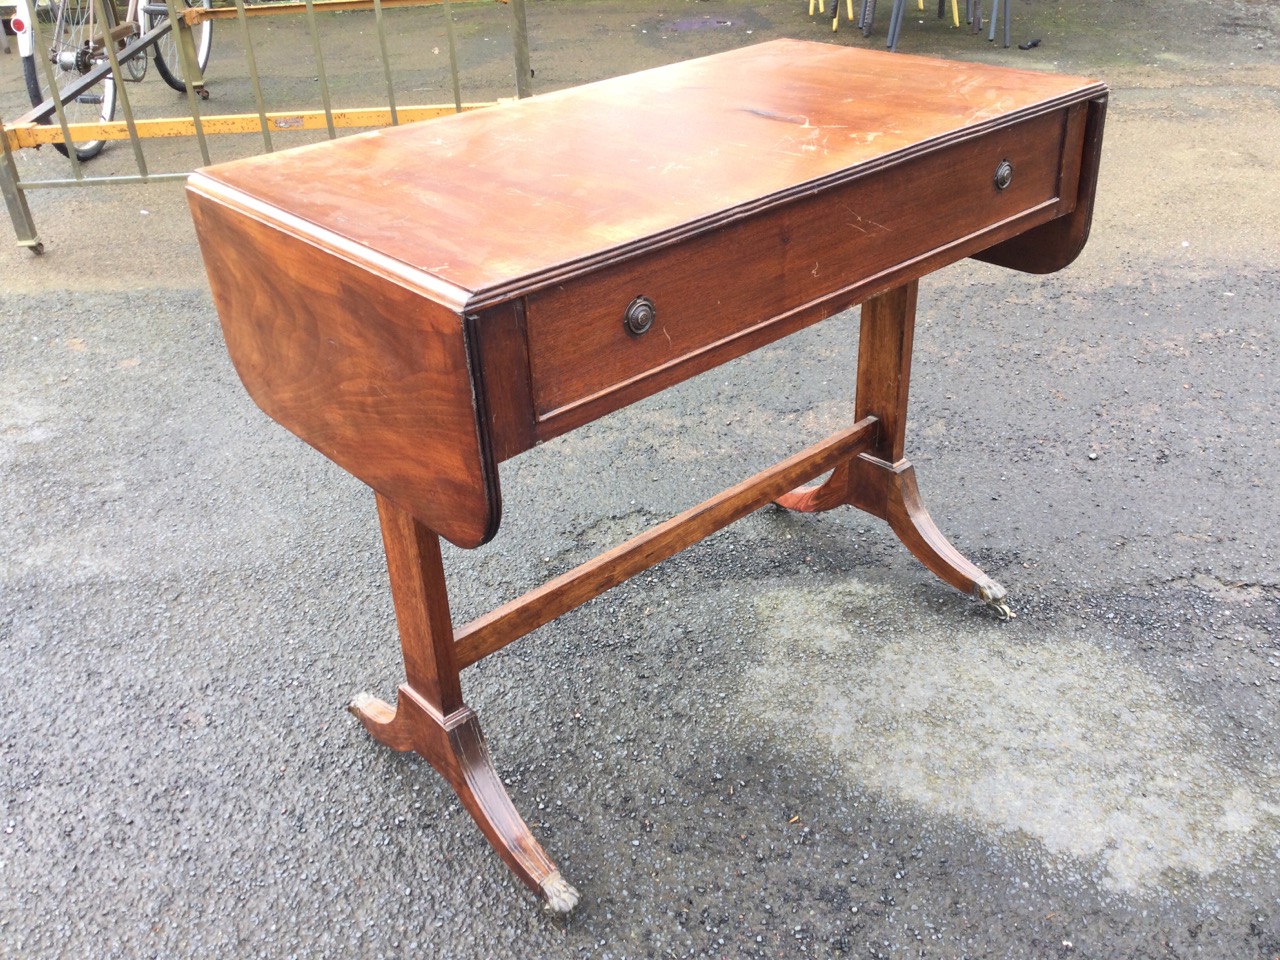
70,33
168,62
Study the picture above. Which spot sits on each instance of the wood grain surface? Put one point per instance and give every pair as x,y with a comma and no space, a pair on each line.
715,286
1055,244
370,371
502,201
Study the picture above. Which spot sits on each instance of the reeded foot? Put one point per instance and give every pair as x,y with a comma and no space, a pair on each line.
888,491
382,721
455,746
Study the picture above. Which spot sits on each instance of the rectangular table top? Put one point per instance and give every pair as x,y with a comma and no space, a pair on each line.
422,302
492,204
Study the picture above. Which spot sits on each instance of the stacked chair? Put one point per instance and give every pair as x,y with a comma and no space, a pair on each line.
867,13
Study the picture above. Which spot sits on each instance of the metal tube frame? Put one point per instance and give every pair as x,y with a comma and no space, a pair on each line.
32,129
15,198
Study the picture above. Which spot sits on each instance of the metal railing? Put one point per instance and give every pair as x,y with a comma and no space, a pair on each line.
49,122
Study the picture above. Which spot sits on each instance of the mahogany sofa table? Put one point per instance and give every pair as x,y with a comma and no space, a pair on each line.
425,302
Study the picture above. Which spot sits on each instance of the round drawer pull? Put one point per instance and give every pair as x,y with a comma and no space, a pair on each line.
1004,174
640,316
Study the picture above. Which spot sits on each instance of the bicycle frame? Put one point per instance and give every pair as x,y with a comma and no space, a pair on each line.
24,27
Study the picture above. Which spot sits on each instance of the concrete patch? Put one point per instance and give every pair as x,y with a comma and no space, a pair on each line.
1050,736
22,423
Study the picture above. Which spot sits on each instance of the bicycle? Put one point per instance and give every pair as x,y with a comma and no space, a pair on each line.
77,48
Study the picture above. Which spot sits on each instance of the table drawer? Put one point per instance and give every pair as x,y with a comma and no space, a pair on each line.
757,270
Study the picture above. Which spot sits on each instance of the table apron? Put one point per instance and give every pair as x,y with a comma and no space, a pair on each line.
734,289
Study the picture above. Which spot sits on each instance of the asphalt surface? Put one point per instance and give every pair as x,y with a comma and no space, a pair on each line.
788,741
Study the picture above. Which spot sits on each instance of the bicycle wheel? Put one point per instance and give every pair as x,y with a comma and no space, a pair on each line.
168,63
70,50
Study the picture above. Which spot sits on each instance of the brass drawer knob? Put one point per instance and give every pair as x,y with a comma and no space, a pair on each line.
1004,174
639,316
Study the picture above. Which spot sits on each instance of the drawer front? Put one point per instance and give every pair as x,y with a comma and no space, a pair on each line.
715,286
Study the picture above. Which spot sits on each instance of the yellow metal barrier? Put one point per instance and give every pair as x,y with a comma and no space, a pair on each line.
39,134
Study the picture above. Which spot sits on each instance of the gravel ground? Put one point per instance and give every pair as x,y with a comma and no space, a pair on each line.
788,741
